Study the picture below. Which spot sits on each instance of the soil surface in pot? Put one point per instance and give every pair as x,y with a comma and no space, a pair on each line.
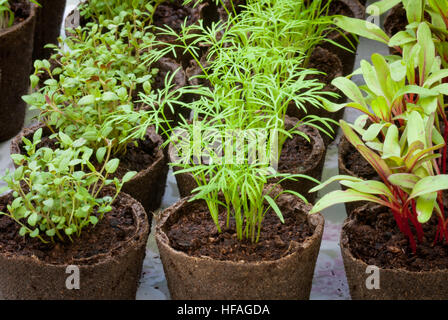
355,162
295,153
137,158
375,238
21,9
116,227
396,20
338,8
173,13
196,234
321,62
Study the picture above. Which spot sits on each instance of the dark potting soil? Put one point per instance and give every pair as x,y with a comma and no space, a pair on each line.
136,158
320,61
196,234
396,21
355,162
21,9
172,14
338,8
44,76
376,239
295,153
111,232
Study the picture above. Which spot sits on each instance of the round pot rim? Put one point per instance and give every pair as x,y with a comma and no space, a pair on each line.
14,28
318,147
316,219
141,228
345,247
17,140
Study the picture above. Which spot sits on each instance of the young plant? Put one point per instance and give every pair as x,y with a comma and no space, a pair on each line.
432,12
404,160
7,15
401,85
58,193
231,178
97,78
99,10
258,76
295,27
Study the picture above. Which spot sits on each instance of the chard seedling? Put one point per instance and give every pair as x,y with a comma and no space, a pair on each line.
58,193
424,40
409,186
396,88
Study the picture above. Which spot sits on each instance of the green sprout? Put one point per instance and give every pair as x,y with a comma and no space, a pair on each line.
58,193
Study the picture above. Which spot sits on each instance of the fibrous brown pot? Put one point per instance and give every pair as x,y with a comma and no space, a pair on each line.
394,284
16,49
167,65
114,274
345,150
312,165
48,27
148,186
204,278
355,10
324,61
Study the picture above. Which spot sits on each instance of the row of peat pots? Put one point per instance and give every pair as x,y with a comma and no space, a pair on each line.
110,261
20,44
199,263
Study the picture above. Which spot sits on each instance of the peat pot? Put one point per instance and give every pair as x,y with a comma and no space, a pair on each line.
48,27
351,163
353,9
32,270
16,49
148,186
327,62
206,278
392,283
